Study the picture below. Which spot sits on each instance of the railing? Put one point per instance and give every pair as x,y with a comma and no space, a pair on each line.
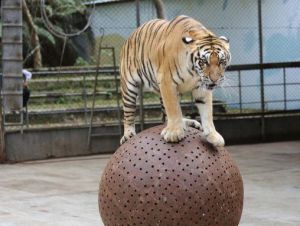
76,83
262,67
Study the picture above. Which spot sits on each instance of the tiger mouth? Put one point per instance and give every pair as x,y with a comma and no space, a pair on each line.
211,86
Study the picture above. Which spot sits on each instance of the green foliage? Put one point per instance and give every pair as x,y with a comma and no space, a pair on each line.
67,16
61,100
26,36
81,62
46,34
67,7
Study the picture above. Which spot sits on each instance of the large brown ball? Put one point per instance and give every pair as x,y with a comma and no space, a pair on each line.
151,182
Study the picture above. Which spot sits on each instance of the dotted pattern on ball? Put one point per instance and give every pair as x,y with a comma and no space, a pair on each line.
151,182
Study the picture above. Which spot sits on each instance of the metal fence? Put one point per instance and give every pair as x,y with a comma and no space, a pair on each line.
263,78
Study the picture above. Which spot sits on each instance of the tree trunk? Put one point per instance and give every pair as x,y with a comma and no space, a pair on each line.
160,9
35,41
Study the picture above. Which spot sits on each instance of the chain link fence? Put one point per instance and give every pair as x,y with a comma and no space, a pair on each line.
261,79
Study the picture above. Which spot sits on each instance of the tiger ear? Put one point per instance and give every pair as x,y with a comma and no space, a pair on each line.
223,38
187,40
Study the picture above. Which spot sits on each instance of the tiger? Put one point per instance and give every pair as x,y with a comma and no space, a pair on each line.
171,58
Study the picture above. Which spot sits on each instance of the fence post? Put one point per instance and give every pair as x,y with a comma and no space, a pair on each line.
141,99
284,88
261,61
2,144
240,91
2,137
12,55
12,62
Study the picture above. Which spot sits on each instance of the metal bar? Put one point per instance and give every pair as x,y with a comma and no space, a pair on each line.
138,16
105,134
141,98
278,101
22,120
284,88
27,116
263,65
2,133
117,92
258,102
192,102
240,91
149,107
95,88
94,96
261,60
258,114
87,71
56,95
84,96
13,123
270,84
244,67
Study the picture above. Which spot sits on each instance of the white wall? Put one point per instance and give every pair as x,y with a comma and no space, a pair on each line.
237,20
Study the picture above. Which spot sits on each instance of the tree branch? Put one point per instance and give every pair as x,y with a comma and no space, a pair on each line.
34,38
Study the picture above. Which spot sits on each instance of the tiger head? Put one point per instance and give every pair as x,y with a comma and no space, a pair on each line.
209,57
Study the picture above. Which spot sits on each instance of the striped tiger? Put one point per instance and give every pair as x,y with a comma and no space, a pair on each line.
171,58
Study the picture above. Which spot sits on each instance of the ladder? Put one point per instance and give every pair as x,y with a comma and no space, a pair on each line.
91,133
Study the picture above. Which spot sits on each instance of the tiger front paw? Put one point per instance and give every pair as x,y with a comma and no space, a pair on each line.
193,123
127,136
173,133
215,139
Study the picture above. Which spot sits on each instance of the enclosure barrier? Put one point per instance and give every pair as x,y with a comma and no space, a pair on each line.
72,106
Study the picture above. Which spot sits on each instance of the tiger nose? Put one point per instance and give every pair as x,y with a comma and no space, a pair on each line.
214,77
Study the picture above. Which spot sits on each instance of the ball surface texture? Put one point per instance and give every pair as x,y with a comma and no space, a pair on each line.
150,182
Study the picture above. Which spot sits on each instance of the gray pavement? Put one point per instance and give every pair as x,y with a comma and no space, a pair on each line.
63,192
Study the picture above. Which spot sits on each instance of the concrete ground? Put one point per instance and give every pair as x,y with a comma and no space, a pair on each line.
63,192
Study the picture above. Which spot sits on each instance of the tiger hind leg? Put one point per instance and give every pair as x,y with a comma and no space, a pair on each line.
129,97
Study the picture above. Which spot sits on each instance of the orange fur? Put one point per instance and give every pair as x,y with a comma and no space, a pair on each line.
156,57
